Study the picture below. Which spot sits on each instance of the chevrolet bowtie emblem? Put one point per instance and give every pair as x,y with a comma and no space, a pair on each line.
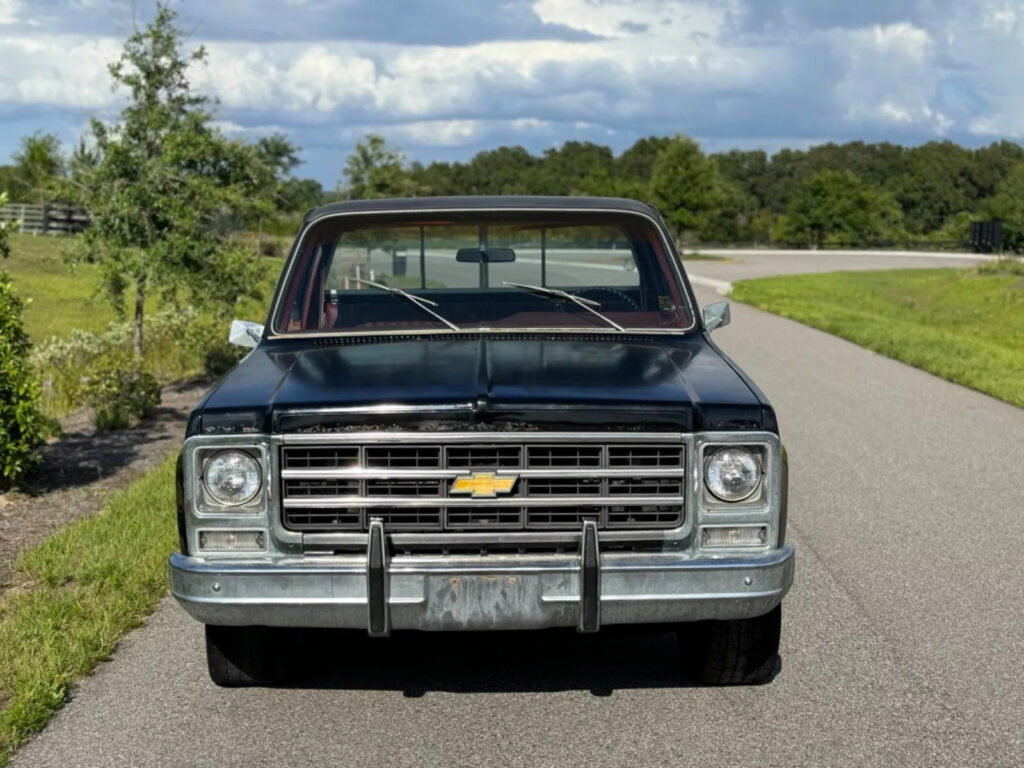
483,485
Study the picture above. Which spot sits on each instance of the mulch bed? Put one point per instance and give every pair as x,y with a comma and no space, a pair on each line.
81,470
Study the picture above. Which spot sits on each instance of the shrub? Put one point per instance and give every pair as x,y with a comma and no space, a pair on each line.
179,343
271,247
119,392
22,426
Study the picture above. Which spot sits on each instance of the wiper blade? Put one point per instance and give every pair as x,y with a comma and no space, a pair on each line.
419,301
555,293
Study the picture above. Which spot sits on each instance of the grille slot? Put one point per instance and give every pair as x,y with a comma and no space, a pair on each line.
645,486
624,483
475,518
318,519
563,486
331,457
645,456
407,518
325,487
646,516
403,457
560,517
563,456
484,456
404,487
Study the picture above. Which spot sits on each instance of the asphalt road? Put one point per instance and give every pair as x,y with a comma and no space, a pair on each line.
903,637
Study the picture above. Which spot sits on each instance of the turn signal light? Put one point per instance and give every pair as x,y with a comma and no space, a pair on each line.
232,541
712,536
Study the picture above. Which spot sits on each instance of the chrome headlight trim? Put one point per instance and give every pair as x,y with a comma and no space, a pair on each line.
201,449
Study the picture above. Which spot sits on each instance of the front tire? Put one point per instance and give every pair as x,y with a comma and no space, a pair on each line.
237,657
733,652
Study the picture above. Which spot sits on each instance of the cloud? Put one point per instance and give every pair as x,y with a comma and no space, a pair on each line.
444,78
9,11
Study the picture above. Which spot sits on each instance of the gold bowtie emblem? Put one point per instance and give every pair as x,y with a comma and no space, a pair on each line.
483,484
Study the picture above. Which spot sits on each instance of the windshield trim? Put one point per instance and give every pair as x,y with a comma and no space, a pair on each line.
286,275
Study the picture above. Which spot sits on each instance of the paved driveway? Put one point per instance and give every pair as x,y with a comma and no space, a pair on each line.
902,639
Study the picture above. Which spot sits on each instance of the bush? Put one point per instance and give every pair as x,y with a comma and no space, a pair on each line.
119,392
22,426
179,343
272,247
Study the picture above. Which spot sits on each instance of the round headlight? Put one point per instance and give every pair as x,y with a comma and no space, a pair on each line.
732,474
232,478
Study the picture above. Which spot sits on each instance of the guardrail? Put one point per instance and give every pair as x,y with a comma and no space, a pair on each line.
46,218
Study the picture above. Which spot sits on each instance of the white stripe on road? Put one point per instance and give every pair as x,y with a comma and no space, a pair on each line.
721,287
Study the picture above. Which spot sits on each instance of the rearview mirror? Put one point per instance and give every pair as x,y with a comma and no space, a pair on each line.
716,315
245,334
489,255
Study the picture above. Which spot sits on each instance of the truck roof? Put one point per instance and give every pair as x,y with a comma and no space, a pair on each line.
483,202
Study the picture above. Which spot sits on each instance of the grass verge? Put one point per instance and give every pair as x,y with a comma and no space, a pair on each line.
697,256
62,298
965,325
94,581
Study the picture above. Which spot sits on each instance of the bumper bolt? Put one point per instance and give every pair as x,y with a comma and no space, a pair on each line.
216,586
747,580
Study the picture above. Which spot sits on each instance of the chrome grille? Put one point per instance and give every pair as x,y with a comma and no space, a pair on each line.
621,481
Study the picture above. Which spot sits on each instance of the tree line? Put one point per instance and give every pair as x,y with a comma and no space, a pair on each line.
856,194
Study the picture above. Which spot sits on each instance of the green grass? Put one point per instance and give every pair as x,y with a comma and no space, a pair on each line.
965,325
702,257
95,580
61,298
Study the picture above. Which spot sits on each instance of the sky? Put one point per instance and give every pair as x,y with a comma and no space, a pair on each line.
444,79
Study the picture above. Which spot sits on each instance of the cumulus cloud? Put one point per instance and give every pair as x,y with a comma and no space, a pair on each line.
9,11
444,77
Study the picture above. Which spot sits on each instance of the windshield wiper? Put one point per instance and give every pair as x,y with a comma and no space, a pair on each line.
555,293
419,301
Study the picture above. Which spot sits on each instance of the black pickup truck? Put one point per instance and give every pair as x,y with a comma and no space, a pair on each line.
485,413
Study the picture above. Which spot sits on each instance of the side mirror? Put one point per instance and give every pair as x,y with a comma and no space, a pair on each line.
245,334
716,315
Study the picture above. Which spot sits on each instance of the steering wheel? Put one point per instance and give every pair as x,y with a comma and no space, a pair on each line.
582,293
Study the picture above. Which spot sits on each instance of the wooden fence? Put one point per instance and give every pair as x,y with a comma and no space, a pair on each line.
46,218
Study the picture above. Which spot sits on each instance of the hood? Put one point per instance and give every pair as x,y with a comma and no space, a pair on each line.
486,382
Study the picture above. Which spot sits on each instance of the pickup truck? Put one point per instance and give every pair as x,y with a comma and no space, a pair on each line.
484,413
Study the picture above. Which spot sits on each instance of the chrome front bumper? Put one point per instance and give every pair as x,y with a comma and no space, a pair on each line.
583,590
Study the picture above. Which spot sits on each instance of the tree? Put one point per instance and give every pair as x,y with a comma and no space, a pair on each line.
300,194
82,163
375,170
38,165
636,164
164,178
565,170
684,186
1007,205
837,207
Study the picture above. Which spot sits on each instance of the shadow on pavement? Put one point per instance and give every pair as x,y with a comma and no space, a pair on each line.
478,662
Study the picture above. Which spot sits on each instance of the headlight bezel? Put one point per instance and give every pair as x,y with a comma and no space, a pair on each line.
761,508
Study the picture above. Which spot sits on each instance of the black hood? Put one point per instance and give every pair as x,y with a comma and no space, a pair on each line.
484,381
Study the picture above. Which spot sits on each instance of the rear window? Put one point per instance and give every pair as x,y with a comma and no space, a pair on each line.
481,272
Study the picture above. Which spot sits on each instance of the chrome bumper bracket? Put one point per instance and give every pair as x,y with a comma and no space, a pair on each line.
379,619
590,578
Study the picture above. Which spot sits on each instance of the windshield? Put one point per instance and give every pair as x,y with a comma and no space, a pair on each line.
482,272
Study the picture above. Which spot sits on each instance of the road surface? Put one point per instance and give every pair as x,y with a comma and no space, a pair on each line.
902,645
